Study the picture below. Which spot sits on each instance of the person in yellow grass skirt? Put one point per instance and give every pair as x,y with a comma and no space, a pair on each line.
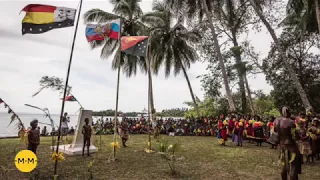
258,131
249,129
303,142
314,134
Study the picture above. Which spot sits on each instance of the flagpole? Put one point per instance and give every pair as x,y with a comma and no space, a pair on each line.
117,96
149,91
66,85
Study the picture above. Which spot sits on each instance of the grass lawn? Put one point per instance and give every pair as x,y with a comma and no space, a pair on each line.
197,158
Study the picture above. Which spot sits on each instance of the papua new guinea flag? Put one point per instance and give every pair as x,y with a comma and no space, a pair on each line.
70,98
42,18
134,45
98,32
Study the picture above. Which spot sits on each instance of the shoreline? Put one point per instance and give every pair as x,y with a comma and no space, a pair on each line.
8,137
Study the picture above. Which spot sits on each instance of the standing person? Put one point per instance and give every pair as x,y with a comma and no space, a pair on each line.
287,133
318,140
33,136
304,142
231,124
86,131
314,133
124,134
258,131
44,131
270,128
238,132
223,136
64,124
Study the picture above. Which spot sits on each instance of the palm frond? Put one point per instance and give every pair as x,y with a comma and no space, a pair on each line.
99,16
110,46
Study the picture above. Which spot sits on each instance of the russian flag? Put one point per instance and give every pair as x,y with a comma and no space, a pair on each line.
98,32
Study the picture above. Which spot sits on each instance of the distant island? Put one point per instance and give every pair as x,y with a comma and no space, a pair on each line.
175,112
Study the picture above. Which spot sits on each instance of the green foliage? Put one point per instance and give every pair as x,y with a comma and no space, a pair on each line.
162,145
108,112
265,105
172,44
304,63
301,17
207,107
176,112
167,151
90,166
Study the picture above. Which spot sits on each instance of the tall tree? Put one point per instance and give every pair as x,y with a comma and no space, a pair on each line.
295,80
172,43
199,8
305,64
234,17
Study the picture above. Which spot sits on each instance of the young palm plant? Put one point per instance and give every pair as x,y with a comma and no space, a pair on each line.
196,10
172,44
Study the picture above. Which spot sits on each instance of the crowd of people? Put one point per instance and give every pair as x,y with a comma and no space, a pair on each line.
234,127
297,136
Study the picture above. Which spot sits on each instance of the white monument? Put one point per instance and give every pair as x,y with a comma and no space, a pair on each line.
76,147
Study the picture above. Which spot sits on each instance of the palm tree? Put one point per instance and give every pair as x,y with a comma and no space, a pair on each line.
171,43
258,9
199,8
129,12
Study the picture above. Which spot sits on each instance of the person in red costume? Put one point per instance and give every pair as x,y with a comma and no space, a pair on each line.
231,124
222,132
239,131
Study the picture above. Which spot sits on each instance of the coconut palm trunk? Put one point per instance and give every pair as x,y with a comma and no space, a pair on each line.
150,89
191,91
240,69
292,74
253,111
232,107
317,13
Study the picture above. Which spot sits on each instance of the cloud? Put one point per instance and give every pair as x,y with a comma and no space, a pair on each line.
25,59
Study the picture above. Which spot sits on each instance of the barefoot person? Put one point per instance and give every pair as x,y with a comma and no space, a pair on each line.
124,132
33,136
86,131
286,129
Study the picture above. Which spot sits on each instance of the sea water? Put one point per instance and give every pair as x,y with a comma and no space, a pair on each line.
7,130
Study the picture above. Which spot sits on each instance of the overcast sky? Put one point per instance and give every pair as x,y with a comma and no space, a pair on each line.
25,59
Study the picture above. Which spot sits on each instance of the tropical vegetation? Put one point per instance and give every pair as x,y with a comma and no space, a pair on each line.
182,32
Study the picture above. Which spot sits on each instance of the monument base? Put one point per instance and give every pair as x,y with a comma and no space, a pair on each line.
77,150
